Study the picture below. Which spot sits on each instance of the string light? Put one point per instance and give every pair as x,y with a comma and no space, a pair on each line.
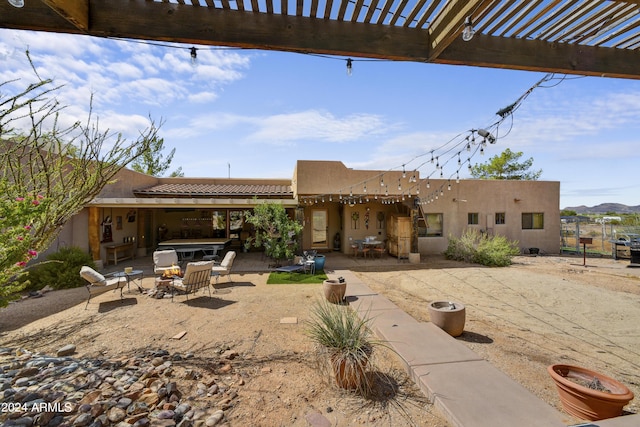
466,142
194,55
349,67
468,31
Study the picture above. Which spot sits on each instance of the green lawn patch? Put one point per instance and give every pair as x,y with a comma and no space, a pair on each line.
281,278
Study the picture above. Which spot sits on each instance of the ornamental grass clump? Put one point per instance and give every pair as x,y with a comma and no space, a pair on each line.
346,340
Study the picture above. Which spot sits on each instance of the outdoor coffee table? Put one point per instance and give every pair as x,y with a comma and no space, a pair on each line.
134,276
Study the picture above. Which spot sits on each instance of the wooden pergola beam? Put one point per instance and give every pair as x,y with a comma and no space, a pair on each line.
181,23
74,11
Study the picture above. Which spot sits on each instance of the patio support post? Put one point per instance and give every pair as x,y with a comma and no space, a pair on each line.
94,233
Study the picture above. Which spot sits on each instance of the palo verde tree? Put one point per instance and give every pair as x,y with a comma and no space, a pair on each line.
274,231
153,161
506,166
49,172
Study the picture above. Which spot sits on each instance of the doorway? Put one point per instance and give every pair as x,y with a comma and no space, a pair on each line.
319,229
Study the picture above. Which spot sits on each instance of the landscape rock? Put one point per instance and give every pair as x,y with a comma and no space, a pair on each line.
67,350
139,391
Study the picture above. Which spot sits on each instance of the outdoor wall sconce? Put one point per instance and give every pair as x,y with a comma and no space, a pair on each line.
517,200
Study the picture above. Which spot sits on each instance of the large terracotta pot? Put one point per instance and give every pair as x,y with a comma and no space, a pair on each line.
584,402
448,316
334,290
350,374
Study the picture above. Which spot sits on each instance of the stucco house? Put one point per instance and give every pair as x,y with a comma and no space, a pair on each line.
337,206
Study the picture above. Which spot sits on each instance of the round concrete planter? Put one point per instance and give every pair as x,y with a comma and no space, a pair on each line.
584,402
448,316
334,290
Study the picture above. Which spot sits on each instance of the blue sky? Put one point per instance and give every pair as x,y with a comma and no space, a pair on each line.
260,111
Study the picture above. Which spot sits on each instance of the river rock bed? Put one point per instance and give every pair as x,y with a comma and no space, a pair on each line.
154,388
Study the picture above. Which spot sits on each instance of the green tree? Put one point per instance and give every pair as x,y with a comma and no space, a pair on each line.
568,212
154,162
275,231
506,166
49,173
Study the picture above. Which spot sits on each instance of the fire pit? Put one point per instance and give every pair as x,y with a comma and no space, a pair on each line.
172,272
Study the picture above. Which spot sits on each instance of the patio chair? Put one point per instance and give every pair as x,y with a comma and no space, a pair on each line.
380,250
164,260
224,268
360,248
99,283
197,275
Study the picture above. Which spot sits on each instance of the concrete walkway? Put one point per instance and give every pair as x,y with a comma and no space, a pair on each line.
468,390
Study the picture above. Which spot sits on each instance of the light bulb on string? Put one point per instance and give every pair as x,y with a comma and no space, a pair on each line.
404,173
349,67
194,55
468,31
428,184
365,188
449,185
399,185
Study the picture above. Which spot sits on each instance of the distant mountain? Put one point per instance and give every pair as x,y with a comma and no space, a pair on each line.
603,208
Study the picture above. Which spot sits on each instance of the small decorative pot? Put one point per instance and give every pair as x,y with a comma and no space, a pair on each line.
448,316
334,290
606,399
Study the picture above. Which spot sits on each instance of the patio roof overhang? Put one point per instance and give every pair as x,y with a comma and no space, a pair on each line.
183,202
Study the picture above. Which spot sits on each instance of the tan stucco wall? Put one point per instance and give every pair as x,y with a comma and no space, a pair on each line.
315,180
488,197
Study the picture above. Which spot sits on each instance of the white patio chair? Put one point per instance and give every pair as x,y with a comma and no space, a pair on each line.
99,283
224,268
197,275
164,260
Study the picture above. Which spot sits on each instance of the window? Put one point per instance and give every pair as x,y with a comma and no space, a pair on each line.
532,221
472,218
500,218
430,225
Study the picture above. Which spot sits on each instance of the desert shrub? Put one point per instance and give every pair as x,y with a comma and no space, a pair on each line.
61,270
496,251
475,247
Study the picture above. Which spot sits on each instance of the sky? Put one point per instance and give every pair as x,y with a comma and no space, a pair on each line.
253,113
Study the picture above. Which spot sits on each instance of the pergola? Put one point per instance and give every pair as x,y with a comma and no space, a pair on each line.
585,37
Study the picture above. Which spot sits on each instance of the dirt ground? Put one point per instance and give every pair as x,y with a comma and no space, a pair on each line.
539,311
